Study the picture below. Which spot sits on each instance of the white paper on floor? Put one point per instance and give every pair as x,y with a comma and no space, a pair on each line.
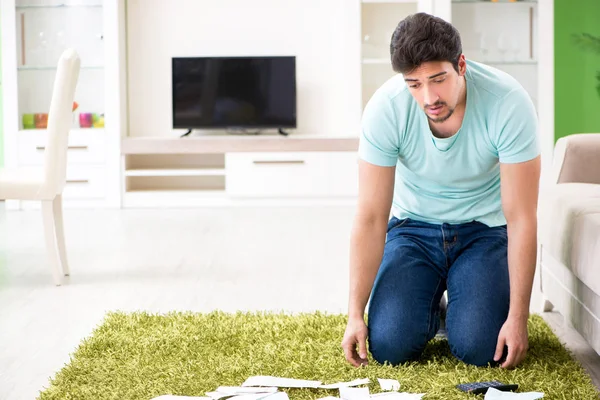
277,396
495,394
338,385
217,395
351,393
389,384
230,392
280,382
254,396
245,389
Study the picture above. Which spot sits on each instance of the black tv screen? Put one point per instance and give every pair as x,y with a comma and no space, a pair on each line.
234,92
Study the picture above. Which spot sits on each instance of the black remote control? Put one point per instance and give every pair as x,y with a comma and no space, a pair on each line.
482,387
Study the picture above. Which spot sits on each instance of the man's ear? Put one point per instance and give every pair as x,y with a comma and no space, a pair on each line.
462,65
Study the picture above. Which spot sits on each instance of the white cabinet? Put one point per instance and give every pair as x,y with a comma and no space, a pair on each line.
238,178
84,147
86,182
291,174
34,35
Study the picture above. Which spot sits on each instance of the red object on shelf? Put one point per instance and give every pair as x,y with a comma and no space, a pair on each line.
41,121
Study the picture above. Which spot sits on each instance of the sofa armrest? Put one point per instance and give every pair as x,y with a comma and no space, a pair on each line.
577,159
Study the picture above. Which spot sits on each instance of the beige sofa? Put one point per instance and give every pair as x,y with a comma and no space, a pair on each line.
570,235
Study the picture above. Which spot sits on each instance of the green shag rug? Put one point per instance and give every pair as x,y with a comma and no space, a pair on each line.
141,356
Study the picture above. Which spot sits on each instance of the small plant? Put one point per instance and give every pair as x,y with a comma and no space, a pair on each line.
588,42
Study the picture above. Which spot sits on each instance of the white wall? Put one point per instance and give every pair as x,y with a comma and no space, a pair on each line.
324,36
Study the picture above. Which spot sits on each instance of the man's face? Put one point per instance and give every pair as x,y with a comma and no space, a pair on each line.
436,86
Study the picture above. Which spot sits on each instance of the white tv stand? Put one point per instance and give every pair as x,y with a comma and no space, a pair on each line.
234,170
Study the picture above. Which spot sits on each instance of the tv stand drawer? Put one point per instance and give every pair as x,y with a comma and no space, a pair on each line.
291,174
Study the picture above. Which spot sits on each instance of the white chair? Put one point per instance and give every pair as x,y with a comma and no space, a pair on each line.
46,184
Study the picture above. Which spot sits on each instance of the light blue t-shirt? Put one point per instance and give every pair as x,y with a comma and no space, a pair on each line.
457,179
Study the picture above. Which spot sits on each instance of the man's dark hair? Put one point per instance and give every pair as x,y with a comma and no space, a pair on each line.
420,38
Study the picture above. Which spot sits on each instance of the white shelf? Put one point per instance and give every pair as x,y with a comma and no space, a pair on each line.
50,67
230,144
176,172
58,6
77,131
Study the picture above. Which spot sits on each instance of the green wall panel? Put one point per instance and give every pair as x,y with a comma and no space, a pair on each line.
1,119
576,66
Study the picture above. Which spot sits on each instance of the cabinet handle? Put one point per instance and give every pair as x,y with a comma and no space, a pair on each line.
531,33
258,162
78,181
42,148
23,52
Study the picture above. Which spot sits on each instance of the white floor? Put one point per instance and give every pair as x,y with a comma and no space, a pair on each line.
292,259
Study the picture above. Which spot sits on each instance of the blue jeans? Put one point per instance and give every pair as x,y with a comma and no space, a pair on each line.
420,262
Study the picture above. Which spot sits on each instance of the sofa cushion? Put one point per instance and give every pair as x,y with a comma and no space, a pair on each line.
570,229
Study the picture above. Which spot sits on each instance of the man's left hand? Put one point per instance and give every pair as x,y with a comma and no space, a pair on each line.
514,335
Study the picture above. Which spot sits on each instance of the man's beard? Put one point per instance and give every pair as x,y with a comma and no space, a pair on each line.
438,119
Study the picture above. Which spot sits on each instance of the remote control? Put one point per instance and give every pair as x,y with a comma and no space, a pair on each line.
482,387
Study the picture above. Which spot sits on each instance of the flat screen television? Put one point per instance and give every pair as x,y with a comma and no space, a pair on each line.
234,92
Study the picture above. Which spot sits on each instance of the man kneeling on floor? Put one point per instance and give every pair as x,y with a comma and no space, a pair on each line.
451,147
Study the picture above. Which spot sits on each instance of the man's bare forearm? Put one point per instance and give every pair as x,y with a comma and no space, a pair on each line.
366,251
522,253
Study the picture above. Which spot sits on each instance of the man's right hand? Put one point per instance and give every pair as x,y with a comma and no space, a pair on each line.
356,335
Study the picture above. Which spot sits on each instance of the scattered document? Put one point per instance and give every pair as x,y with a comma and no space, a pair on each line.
356,382
277,396
389,384
253,396
218,395
351,393
245,390
280,382
495,394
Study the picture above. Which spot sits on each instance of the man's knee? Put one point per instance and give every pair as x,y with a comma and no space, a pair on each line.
475,348
393,347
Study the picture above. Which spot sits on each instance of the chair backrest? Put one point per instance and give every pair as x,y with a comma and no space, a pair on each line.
60,120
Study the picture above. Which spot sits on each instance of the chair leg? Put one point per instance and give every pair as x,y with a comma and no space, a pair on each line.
60,233
51,245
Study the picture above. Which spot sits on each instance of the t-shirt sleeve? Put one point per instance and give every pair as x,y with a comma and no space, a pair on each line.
517,135
379,136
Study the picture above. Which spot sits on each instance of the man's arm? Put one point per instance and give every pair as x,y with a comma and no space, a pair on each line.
378,151
519,191
376,186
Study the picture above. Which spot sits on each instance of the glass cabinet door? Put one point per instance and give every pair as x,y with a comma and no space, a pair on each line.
45,28
502,34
